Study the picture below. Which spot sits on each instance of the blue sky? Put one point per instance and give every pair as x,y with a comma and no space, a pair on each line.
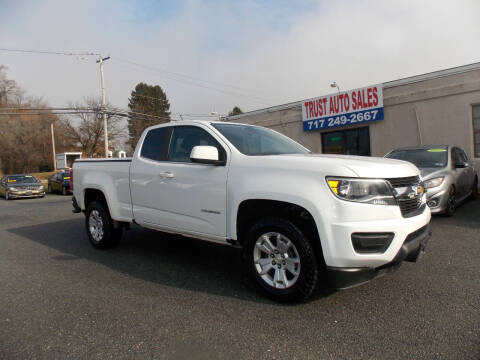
248,53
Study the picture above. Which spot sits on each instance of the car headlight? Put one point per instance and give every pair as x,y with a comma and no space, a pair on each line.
367,191
13,189
40,188
434,182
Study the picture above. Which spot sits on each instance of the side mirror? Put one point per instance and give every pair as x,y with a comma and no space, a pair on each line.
206,155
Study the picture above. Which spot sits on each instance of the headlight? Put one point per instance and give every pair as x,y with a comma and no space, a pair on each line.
13,189
434,182
367,191
40,188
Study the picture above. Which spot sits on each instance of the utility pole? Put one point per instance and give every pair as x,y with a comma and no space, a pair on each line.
101,60
53,148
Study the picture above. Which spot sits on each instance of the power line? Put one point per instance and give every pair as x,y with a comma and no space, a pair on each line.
195,82
186,79
180,74
150,97
74,111
51,52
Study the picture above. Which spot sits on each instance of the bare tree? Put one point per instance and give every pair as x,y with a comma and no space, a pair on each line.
8,88
26,142
85,128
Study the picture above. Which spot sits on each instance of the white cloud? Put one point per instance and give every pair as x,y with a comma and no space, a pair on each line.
352,42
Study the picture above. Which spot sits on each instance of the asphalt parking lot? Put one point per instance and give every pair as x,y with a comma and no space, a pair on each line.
159,296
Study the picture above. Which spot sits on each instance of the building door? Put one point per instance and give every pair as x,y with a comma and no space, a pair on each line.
347,142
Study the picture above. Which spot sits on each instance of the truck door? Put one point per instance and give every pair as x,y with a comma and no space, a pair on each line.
173,193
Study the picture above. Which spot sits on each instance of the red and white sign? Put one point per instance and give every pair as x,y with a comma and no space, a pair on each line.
344,108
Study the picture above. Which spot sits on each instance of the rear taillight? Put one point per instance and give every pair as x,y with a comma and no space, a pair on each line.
71,179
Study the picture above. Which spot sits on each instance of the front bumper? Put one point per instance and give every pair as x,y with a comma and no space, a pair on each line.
25,194
437,200
411,250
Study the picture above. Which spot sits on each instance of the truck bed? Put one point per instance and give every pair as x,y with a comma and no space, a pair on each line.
111,176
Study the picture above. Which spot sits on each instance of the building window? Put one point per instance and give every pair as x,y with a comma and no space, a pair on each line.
476,129
347,142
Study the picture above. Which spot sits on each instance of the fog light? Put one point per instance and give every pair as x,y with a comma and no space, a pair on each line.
371,242
432,203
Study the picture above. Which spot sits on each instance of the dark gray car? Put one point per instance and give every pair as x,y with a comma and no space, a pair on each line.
447,172
20,186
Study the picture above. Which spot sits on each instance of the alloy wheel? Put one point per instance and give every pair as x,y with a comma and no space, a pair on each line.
95,227
276,260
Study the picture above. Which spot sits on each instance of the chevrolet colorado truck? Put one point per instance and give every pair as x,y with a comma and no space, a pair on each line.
302,219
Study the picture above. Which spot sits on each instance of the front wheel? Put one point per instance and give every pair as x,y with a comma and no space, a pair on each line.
451,202
99,224
474,195
281,260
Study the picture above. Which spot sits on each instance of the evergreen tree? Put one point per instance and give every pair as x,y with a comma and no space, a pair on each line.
235,111
146,100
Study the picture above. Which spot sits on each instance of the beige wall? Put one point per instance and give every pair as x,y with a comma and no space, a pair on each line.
435,111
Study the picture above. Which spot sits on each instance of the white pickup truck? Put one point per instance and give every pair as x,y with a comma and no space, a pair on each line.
300,217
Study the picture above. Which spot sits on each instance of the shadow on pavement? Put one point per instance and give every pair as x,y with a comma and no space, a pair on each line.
466,215
156,257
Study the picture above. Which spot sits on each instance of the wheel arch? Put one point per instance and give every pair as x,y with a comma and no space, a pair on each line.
250,211
92,194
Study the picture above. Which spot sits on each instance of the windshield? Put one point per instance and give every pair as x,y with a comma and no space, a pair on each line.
21,179
422,158
255,140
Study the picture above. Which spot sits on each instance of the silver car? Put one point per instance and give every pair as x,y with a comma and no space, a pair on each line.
20,186
448,174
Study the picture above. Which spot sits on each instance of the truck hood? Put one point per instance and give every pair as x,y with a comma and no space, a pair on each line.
361,166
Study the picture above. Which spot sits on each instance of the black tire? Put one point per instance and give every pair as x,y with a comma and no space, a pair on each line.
308,275
451,202
109,235
64,191
474,195
49,190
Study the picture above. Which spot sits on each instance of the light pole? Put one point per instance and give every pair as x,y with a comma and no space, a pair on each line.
53,148
335,85
101,60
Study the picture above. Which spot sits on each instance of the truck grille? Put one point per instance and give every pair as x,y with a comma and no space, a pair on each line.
409,200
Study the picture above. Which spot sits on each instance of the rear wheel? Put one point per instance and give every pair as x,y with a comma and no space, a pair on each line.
281,259
451,202
100,229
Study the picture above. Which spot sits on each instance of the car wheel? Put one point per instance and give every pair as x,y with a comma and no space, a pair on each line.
49,190
451,202
7,197
64,191
474,195
100,228
281,260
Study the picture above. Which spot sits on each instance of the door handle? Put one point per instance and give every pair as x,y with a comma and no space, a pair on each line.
166,174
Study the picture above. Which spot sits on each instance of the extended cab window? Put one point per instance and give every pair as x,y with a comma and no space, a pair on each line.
184,138
155,145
